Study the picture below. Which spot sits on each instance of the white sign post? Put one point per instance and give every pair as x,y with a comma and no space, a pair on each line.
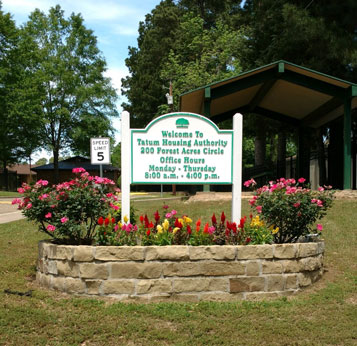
100,152
181,148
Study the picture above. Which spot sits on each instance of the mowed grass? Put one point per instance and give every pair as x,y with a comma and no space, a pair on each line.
325,314
9,194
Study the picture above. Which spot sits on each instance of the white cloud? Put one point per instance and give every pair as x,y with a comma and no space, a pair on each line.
116,74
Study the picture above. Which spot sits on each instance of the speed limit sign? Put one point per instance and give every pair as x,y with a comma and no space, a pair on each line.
100,151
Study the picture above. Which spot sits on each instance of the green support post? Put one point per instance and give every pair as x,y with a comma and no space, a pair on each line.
347,144
207,113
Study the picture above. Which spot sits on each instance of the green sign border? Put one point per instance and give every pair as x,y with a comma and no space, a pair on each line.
171,115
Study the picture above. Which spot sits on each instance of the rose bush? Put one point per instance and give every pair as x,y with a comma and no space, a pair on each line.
291,208
69,211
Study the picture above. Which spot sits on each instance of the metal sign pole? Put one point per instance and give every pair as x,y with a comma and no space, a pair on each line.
101,170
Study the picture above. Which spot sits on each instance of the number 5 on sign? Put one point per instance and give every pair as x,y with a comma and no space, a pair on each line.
100,151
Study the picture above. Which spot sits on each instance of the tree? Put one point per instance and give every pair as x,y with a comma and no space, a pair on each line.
144,87
66,69
321,36
41,161
116,155
202,56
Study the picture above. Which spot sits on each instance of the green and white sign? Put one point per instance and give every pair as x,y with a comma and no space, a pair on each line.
181,148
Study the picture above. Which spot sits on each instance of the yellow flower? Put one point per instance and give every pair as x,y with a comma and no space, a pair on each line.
276,230
126,219
187,219
159,229
166,225
120,225
180,220
175,230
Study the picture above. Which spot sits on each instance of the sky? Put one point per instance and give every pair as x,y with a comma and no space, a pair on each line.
114,22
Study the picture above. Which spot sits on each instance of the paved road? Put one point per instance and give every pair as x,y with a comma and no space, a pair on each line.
9,212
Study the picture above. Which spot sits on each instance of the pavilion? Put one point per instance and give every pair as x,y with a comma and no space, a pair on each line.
294,95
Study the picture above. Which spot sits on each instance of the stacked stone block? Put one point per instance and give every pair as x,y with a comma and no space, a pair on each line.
180,273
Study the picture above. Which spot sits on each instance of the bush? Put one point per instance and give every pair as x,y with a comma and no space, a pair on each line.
291,208
68,212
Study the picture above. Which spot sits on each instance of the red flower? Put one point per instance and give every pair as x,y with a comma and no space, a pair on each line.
150,225
227,232
148,232
189,230
157,216
248,240
100,221
205,229
223,217
106,221
141,218
178,223
113,220
234,227
146,220
242,222
214,220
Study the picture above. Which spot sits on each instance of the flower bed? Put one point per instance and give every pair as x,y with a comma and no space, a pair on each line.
180,273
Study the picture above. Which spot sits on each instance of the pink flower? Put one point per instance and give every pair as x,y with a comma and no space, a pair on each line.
29,206
64,219
321,189
48,215
20,190
173,212
252,202
99,180
50,228
319,203
301,180
78,170
319,227
16,201
116,227
259,208
42,197
211,229
314,200
297,204
168,215
250,182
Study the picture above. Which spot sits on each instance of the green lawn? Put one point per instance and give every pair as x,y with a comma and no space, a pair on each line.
325,314
9,194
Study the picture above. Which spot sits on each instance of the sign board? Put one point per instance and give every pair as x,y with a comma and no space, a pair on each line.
181,148
100,151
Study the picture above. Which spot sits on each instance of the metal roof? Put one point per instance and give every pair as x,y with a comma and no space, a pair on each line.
280,90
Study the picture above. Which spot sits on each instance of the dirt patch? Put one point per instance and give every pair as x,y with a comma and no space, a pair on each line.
215,196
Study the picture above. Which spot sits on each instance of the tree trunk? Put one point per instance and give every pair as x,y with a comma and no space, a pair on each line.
55,166
6,176
30,165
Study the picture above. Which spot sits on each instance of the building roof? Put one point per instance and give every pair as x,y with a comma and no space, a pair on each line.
22,169
280,90
73,162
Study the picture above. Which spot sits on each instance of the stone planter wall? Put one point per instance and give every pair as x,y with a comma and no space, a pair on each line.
180,273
